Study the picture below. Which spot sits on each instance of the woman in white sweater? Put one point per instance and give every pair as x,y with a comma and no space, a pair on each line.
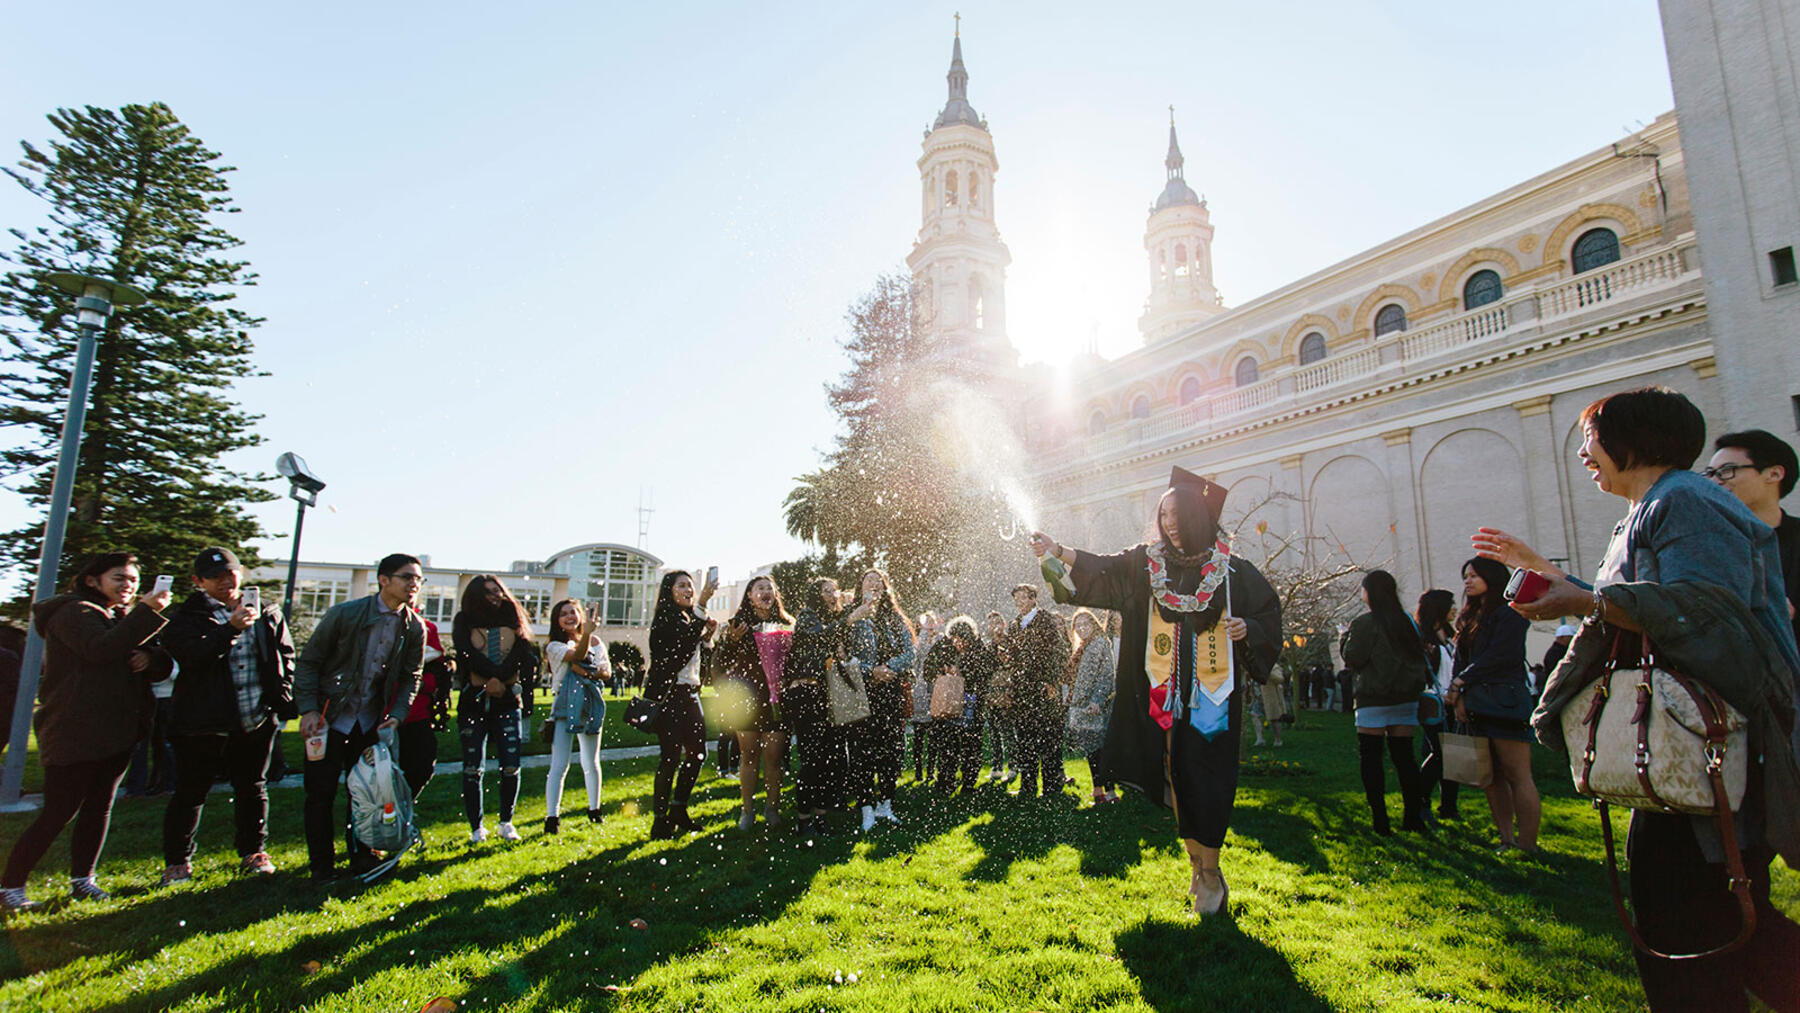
577,660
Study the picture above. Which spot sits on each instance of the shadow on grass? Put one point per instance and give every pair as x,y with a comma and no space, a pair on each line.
1210,964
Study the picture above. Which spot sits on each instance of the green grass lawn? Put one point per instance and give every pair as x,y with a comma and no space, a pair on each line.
985,904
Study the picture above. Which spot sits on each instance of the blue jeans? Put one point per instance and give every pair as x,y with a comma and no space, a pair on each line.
479,718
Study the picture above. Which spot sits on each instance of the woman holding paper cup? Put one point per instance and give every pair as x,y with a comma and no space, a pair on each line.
1203,622
754,646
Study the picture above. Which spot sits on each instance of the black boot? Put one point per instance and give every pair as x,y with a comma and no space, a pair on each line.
1368,749
552,824
1412,785
660,830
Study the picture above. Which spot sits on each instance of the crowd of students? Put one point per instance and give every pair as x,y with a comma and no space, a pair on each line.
1146,679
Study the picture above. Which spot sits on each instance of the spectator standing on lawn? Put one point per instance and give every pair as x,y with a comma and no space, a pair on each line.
356,676
429,714
762,734
234,688
578,666
1383,648
999,719
1759,468
819,636
12,653
94,703
152,769
678,629
1489,695
1272,696
1436,606
1036,649
496,658
881,641
1091,700
924,750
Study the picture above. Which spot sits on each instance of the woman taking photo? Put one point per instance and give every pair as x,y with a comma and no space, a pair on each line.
94,705
819,635
677,629
1683,536
1208,624
881,641
1386,657
579,667
1435,609
1489,694
495,656
1091,697
761,737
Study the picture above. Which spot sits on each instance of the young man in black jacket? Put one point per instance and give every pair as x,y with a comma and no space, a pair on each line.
233,688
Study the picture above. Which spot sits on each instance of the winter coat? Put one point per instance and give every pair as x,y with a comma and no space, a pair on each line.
92,705
332,662
1037,655
205,698
1384,673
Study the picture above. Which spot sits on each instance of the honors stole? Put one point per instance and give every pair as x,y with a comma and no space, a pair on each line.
1206,656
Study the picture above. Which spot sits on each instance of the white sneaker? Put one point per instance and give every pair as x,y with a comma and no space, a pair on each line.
477,835
868,814
508,833
13,898
886,811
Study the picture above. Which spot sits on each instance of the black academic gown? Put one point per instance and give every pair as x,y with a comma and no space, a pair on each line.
1204,772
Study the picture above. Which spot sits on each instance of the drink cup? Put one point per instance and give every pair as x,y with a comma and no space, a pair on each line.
315,746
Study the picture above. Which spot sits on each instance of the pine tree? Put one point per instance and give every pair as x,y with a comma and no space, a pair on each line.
134,196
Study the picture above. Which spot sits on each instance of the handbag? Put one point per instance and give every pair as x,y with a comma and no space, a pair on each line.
1466,759
947,696
642,713
847,702
1657,740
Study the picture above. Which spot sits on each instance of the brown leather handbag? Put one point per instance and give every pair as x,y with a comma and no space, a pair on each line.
1655,739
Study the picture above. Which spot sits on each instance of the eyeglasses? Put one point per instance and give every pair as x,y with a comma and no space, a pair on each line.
408,578
1725,472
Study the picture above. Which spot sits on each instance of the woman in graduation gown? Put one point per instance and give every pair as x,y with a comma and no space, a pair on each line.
1199,625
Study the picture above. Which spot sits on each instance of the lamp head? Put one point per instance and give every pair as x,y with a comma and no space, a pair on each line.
96,297
303,485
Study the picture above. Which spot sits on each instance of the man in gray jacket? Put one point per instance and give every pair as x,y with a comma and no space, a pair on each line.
356,676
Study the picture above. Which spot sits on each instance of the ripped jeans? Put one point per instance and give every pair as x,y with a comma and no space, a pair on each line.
480,717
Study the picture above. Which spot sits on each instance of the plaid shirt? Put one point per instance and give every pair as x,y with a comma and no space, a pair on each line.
244,676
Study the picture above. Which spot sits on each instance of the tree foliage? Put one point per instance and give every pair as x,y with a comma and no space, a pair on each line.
890,491
131,195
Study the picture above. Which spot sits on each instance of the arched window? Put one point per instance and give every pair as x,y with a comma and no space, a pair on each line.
1391,318
1140,406
1190,391
950,189
1312,348
1181,260
1246,371
1097,423
1162,264
1595,248
977,303
974,191
1483,287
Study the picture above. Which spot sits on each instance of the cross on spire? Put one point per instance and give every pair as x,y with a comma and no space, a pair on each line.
959,24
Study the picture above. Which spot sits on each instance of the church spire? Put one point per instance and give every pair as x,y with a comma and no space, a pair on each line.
1174,162
1176,192
957,109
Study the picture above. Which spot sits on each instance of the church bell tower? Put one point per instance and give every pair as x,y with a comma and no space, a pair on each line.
1178,239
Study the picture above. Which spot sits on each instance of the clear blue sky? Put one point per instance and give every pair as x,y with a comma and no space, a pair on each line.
562,253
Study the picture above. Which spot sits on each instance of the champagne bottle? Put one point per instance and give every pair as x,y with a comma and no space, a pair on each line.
1062,584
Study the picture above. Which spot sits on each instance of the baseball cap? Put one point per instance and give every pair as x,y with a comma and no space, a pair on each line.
214,561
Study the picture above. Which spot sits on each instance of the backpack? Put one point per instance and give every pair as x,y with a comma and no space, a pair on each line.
381,810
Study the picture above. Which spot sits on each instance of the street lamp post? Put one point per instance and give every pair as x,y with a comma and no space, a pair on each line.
304,487
95,299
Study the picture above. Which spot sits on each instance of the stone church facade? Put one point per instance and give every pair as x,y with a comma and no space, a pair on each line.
1378,410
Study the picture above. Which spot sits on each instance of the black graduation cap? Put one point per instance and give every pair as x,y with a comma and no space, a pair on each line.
1211,493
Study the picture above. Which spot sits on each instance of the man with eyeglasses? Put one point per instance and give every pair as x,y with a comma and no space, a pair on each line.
1759,468
358,675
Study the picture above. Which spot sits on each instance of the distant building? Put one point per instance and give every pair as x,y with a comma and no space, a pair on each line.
618,582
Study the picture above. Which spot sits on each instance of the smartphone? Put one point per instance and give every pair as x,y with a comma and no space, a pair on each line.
712,576
253,599
1526,586
164,582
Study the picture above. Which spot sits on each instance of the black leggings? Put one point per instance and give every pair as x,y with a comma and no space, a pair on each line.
87,788
681,732
823,762
876,746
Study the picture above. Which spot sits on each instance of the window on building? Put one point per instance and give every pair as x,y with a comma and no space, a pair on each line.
1140,407
1781,266
974,191
1595,248
1483,287
1246,371
1391,318
1181,260
312,598
1162,265
438,603
1190,390
950,189
977,304
1312,348
1096,423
